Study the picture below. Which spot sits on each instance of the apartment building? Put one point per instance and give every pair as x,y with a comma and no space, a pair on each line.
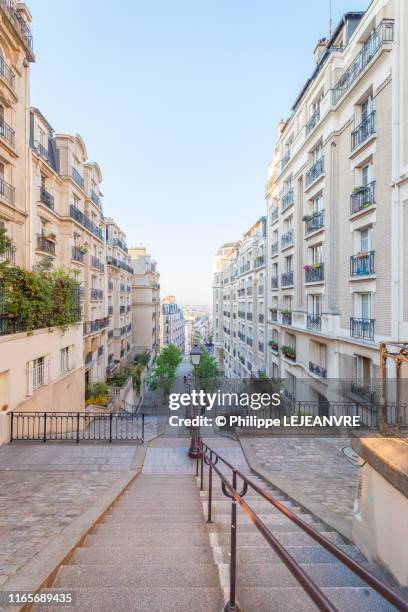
145,302
171,323
119,303
240,306
335,271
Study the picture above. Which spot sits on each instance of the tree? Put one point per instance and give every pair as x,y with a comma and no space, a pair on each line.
170,355
163,378
208,371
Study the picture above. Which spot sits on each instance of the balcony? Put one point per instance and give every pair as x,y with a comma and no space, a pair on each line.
249,290
363,391
7,133
363,131
77,254
384,34
245,267
288,199
19,24
362,264
275,248
314,273
313,222
77,178
289,352
285,159
261,318
41,150
96,263
241,292
287,239
318,370
362,197
85,221
274,345
96,294
6,73
286,317
259,261
45,245
7,191
275,214
313,121
314,322
241,336
119,243
362,328
315,171
9,254
249,341
95,198
287,279
122,309
274,282
46,198
274,314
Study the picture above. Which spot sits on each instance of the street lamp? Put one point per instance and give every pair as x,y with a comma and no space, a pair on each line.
194,451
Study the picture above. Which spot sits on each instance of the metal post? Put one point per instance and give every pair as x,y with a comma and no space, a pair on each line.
143,427
45,427
110,427
209,490
11,427
202,469
77,439
383,372
197,460
232,605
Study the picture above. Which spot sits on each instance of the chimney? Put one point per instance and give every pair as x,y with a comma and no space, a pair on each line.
320,47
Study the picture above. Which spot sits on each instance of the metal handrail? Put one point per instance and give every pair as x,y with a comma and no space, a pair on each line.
314,592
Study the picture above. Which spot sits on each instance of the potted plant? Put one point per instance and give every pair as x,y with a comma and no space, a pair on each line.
359,189
288,351
315,266
286,311
83,248
51,236
274,345
306,217
307,267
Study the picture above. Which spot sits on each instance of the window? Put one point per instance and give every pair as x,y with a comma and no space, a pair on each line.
288,224
76,201
363,305
316,254
363,369
289,264
65,359
37,374
317,153
42,138
315,304
364,241
287,302
317,203
367,108
367,174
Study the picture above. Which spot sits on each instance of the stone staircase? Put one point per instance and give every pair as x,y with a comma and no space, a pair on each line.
150,552
263,582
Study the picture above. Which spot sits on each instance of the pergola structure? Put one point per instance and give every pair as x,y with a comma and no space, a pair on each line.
398,353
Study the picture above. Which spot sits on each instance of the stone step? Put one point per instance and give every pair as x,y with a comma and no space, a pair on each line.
195,539
219,495
323,574
301,554
189,574
145,555
293,537
281,599
138,518
115,529
263,507
199,599
156,510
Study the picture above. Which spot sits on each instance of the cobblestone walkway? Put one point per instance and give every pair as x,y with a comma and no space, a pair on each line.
315,468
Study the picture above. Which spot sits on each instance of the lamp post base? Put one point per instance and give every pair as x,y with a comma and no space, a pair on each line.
195,450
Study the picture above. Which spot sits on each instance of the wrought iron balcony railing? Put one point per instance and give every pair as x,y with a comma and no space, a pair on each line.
362,264
77,254
287,279
313,121
259,261
96,263
362,328
286,318
285,159
96,294
6,73
363,131
274,282
7,133
288,198
18,23
314,322
317,369
95,198
274,314
314,273
46,198
85,221
41,150
314,222
362,197
122,309
383,34
275,214
275,248
9,254
7,191
77,178
315,171
287,239
45,245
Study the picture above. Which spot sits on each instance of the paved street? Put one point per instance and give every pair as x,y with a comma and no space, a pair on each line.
311,469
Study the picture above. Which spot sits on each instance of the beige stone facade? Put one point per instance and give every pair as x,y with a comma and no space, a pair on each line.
145,302
240,302
171,323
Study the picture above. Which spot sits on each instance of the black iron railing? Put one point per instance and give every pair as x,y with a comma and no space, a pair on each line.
275,214
275,248
314,322
274,314
77,254
314,273
9,253
383,34
288,199
7,133
287,279
287,239
95,198
285,159
315,171
6,73
45,245
18,23
362,264
75,427
90,327
85,221
313,121
362,328
362,197
317,369
96,294
46,198
235,488
274,282
363,131
77,177
286,318
314,222
7,191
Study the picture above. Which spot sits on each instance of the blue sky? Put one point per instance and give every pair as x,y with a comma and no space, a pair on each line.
178,102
